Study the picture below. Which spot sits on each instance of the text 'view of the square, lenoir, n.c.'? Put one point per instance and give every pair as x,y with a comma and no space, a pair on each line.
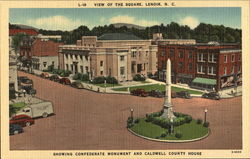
125,78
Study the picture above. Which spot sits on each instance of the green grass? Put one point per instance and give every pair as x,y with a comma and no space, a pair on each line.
145,82
157,87
107,85
189,130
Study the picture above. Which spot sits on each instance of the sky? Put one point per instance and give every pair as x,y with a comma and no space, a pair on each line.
71,18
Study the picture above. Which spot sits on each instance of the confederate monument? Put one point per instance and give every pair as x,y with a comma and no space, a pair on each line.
167,107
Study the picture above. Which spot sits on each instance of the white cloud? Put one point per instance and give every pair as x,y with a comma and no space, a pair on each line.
57,22
192,22
131,20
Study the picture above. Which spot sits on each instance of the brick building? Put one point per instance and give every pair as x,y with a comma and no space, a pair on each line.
202,66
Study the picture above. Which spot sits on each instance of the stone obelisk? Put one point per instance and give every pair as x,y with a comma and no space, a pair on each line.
167,107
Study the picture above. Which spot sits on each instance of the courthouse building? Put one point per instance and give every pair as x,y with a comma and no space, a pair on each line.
114,54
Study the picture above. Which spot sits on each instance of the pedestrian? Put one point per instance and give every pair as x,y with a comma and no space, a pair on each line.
24,92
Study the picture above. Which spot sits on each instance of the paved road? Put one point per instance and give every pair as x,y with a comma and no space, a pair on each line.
87,120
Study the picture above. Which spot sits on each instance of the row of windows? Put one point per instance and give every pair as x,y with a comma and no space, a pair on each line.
135,53
211,70
232,58
180,54
232,70
76,56
72,68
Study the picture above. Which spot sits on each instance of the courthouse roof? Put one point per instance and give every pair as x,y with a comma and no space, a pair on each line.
118,36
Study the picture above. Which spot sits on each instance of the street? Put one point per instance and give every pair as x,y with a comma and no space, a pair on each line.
86,120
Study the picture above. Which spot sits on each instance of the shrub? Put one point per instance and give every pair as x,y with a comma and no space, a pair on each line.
163,135
178,135
206,124
130,125
139,77
130,120
199,121
149,118
150,75
81,77
188,119
179,121
50,68
137,121
111,80
99,80
157,137
177,114
77,76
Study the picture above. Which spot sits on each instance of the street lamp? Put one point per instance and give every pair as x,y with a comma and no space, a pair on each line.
205,117
131,111
105,82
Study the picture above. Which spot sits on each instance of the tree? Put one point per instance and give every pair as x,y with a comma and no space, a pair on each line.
17,41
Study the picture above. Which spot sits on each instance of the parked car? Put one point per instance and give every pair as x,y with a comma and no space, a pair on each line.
29,90
139,92
42,109
173,94
156,93
24,81
44,75
77,84
54,78
65,80
15,129
211,95
183,94
22,120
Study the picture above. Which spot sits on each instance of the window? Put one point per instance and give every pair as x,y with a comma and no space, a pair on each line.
180,65
171,52
81,57
212,57
44,64
190,55
190,66
122,70
71,56
87,68
233,58
239,69
225,58
232,70
81,68
71,67
66,55
211,70
101,72
101,63
53,62
121,58
225,70
162,53
67,67
76,57
201,69
133,53
201,57
181,54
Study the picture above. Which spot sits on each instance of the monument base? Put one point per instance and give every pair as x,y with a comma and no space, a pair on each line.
168,112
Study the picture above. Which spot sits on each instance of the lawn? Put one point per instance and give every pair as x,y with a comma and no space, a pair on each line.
189,131
108,85
157,87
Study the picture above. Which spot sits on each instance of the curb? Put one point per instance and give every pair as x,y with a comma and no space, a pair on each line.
170,141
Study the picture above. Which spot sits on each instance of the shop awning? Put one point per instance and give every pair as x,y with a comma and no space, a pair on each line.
204,81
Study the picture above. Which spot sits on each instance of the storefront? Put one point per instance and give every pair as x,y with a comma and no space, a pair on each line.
204,83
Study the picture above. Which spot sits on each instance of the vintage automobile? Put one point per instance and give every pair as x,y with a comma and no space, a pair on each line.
22,120
139,92
54,78
183,94
77,84
156,93
15,129
24,81
173,94
211,95
44,75
29,90
65,81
